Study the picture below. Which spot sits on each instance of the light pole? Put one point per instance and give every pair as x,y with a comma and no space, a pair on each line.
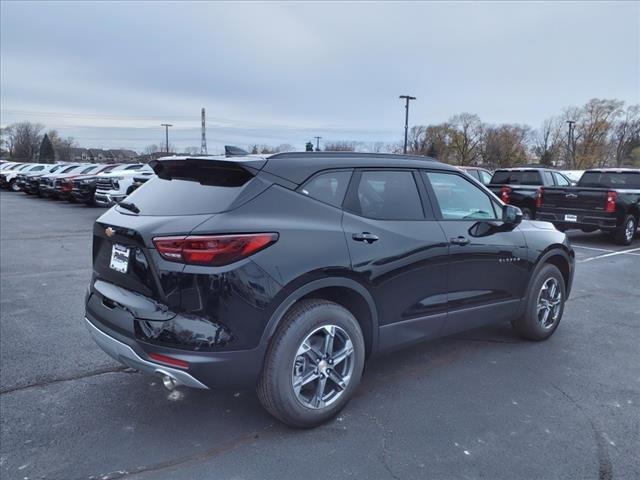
317,143
406,118
570,159
166,133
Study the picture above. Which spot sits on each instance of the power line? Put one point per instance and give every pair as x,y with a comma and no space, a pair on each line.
317,143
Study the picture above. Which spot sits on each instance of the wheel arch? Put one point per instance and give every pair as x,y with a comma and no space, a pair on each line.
344,291
559,256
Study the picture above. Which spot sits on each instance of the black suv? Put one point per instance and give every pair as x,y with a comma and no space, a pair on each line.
287,272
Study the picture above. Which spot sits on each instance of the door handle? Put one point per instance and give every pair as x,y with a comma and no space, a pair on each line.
365,237
462,241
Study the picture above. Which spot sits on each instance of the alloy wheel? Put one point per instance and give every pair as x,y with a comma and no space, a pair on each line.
322,367
549,303
630,230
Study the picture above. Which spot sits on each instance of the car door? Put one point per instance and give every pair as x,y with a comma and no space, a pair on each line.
399,252
487,263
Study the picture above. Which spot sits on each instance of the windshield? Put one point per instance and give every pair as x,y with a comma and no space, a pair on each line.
69,169
610,180
517,177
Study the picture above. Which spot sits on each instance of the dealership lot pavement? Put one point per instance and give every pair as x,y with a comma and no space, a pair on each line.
483,404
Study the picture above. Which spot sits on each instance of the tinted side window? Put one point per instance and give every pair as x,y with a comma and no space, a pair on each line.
388,195
328,187
459,199
560,180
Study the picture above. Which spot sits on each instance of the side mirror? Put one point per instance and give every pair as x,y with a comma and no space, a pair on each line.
511,215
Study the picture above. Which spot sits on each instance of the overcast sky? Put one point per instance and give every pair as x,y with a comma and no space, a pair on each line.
109,73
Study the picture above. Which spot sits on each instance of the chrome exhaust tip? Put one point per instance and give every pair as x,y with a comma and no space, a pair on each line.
168,381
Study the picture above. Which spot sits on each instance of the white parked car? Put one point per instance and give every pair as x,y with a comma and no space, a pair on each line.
113,187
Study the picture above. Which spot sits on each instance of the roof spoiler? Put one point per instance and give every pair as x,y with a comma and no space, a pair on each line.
207,171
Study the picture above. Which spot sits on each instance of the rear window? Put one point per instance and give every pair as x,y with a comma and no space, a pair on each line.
192,189
527,177
610,180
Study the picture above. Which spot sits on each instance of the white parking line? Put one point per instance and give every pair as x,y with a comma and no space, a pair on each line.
592,248
621,252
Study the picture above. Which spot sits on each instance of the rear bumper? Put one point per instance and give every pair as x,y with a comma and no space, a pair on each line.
584,220
127,356
220,370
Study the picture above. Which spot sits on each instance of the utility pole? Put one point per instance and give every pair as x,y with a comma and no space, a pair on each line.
203,142
317,143
570,160
406,119
166,130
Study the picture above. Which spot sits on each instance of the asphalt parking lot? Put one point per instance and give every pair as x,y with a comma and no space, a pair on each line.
483,404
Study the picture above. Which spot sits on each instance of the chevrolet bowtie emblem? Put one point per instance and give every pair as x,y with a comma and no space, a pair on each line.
109,232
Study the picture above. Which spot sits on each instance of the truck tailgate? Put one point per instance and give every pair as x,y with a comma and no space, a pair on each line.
575,198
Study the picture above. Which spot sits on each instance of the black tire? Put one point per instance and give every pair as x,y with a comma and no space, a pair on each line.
13,187
529,325
625,234
527,214
275,387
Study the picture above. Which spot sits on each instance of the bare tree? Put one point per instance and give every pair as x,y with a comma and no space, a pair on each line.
340,146
547,141
466,139
25,138
6,140
192,150
151,149
626,135
506,145
592,131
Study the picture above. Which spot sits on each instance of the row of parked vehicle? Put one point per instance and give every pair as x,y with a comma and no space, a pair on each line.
597,199
606,199
92,184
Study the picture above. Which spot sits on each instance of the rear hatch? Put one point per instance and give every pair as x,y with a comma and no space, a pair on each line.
185,193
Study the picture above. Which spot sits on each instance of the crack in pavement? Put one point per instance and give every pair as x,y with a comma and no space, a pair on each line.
205,455
605,469
67,379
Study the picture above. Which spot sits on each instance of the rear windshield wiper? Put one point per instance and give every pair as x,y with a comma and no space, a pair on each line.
130,206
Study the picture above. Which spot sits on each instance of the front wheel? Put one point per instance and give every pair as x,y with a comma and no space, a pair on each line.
13,186
527,214
313,365
545,305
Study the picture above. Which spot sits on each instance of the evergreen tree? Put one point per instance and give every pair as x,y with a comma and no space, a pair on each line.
309,147
47,153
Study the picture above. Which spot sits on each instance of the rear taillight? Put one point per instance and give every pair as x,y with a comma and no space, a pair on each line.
214,250
610,206
539,197
505,194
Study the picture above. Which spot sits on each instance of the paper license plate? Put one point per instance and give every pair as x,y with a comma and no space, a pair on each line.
570,218
119,258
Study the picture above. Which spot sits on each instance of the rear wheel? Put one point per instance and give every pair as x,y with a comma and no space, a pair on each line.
545,305
624,235
313,365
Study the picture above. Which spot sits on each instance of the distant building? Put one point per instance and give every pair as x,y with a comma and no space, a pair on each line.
95,155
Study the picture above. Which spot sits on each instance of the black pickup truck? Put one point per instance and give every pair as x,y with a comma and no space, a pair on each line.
604,199
523,186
